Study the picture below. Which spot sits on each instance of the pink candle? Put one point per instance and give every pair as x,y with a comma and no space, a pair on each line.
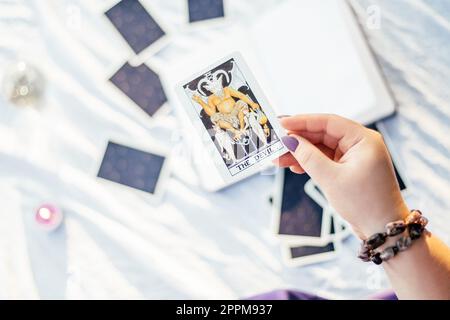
48,217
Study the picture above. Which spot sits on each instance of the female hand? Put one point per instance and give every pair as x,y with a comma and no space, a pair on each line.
351,165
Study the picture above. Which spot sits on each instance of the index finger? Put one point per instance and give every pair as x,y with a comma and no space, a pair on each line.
346,131
331,124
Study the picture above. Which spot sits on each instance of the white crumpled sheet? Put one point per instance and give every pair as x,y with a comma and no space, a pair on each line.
115,243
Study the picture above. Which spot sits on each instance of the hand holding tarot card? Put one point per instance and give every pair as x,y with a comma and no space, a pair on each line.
231,113
310,230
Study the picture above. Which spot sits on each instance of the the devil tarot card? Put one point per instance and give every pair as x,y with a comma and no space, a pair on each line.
233,116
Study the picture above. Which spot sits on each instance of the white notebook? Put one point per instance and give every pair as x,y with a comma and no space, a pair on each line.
315,59
308,56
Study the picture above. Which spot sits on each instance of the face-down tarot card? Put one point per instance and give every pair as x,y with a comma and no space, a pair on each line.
233,117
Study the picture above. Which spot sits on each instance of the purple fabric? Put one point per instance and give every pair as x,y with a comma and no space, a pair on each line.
387,295
285,295
298,295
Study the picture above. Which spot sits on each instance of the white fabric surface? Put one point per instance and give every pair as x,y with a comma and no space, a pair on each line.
114,242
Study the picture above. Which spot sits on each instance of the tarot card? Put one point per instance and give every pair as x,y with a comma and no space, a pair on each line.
209,11
315,193
233,117
300,255
142,85
141,170
142,31
297,216
340,229
336,230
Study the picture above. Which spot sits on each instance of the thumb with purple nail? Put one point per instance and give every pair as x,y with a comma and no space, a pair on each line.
310,158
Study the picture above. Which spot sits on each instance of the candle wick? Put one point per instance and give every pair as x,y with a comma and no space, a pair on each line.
45,213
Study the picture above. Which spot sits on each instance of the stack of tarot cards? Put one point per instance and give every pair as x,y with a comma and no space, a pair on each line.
309,228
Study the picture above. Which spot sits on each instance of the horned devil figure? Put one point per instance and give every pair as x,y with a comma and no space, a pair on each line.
221,106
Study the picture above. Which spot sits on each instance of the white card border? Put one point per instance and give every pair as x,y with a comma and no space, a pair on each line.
312,259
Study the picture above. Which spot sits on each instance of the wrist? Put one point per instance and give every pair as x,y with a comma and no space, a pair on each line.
378,220
377,248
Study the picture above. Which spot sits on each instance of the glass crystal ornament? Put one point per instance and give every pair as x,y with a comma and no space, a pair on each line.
23,84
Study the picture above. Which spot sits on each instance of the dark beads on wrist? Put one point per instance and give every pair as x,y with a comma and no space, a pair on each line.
388,253
376,258
414,224
414,231
364,254
395,228
413,217
404,243
376,240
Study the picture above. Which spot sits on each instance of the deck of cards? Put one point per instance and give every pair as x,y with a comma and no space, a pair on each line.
309,229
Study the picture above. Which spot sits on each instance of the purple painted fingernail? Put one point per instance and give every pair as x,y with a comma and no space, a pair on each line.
290,142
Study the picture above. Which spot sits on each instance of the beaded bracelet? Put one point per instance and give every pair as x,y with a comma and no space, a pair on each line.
414,224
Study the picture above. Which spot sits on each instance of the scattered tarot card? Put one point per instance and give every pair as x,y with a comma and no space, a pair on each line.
145,171
299,252
205,10
297,216
315,193
340,229
135,24
303,254
142,85
233,117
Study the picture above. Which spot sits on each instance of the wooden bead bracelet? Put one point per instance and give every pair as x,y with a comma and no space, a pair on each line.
414,224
